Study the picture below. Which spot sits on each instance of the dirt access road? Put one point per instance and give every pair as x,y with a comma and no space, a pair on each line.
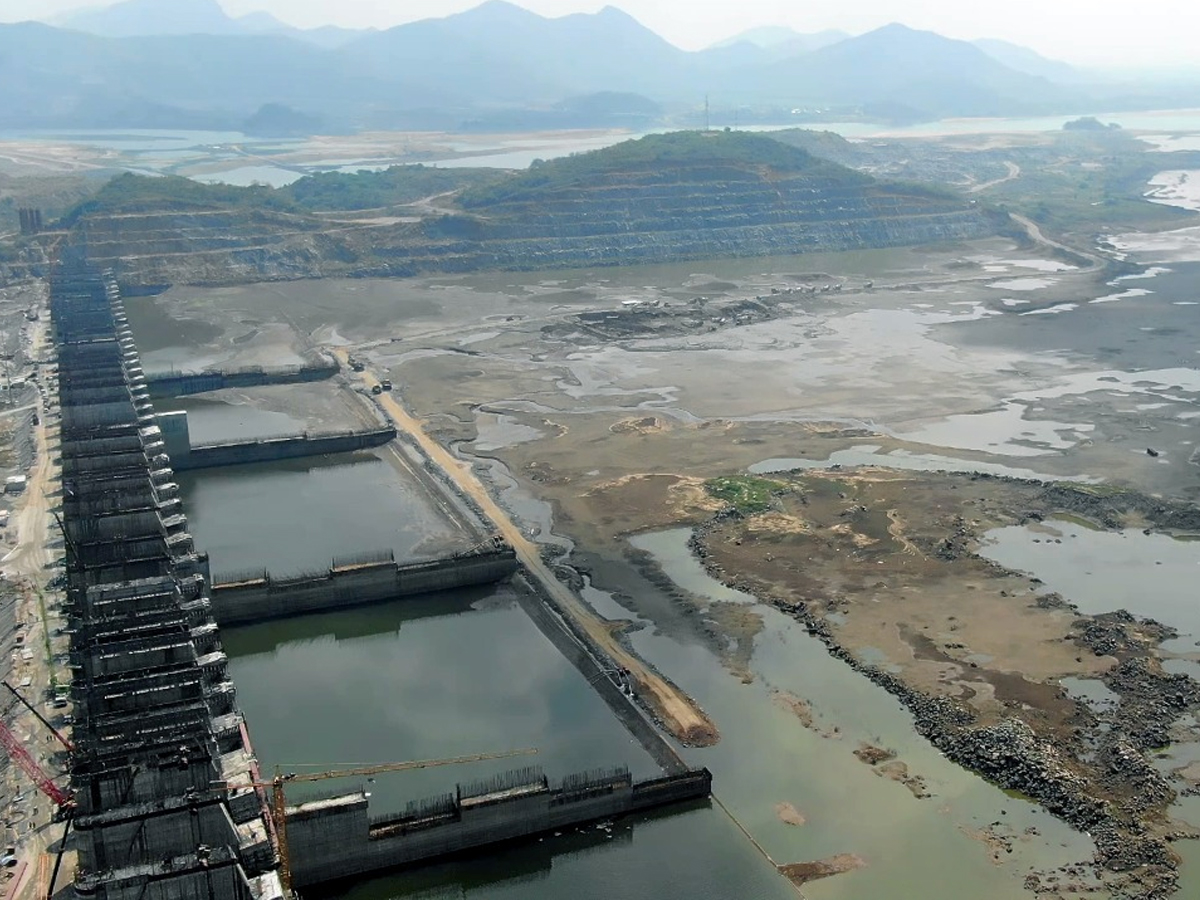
682,717
27,565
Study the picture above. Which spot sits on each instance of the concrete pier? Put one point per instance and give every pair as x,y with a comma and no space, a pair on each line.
180,384
336,838
156,722
249,598
234,453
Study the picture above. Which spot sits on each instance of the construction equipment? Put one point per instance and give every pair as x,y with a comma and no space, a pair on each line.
279,803
29,706
36,773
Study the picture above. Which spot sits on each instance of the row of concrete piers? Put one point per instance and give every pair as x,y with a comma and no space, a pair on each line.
162,772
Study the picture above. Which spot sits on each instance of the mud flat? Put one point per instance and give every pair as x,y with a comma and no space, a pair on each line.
599,432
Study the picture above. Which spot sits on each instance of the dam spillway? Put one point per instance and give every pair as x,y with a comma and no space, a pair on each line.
162,768
168,799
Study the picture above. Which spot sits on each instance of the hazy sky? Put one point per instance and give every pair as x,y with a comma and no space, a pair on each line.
1148,32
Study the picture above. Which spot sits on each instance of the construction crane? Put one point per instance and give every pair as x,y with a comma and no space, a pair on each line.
279,803
29,706
36,773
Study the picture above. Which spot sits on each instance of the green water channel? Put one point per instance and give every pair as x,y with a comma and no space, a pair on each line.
767,756
457,674
468,673
296,515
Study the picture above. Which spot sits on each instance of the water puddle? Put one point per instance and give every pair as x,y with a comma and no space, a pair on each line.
1093,692
1101,571
1023,284
498,431
1123,295
245,176
1005,432
1051,310
1180,188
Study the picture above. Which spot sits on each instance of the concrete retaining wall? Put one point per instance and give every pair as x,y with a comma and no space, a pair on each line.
207,456
179,384
332,839
273,598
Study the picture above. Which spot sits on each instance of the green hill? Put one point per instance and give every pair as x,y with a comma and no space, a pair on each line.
670,157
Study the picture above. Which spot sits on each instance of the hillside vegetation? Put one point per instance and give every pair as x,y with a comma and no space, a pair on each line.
390,187
669,156
663,198
324,192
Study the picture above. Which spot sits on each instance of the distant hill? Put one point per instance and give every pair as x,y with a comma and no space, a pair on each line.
770,43
915,74
55,77
781,37
662,198
1022,59
136,18
144,18
186,64
499,51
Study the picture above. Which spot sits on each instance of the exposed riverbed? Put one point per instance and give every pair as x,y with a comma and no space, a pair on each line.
598,435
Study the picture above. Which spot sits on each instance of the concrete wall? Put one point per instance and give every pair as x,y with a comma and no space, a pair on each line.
179,384
268,598
334,839
176,435
267,450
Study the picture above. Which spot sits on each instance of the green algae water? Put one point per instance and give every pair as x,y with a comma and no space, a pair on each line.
466,673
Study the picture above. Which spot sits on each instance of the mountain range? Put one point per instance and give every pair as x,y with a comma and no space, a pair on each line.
144,18
186,63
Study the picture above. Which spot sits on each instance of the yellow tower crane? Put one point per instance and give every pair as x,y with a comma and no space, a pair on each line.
279,803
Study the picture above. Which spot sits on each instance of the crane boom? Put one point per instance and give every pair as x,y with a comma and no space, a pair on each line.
362,771
29,706
29,766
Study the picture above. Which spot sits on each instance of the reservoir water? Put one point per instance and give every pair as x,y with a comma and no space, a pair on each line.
468,673
296,515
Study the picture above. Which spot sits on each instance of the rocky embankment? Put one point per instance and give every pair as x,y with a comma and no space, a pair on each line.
1100,778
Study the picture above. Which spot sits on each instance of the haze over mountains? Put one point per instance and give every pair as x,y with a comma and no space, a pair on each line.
186,63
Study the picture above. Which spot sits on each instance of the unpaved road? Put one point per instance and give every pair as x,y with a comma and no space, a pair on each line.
1038,236
682,717
30,556
1014,172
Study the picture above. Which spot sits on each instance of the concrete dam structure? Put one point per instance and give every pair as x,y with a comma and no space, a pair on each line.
162,768
242,599
337,839
167,799
180,384
186,456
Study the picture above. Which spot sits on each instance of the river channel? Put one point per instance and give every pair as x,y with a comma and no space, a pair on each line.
457,674
468,672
